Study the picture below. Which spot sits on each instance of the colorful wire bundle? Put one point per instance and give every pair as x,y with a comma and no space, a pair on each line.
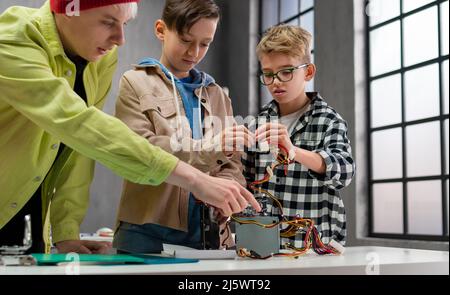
312,237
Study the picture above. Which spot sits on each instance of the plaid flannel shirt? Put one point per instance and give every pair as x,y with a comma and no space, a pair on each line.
303,192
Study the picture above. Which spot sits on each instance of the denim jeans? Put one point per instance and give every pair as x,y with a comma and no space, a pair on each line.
149,238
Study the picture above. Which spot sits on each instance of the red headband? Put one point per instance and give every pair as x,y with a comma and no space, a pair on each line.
59,6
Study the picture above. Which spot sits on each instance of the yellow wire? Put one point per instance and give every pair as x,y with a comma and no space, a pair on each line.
294,225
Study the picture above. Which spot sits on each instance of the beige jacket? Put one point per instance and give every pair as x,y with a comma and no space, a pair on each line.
147,105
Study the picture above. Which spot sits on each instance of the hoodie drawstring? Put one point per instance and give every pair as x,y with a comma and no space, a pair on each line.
179,127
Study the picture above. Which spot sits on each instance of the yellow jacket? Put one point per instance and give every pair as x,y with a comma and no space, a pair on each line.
39,110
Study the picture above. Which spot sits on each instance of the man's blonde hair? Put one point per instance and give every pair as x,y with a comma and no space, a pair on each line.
288,39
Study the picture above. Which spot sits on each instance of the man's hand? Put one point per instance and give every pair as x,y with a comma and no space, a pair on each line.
83,247
226,195
218,217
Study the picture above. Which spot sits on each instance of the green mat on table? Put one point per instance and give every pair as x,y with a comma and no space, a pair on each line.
113,259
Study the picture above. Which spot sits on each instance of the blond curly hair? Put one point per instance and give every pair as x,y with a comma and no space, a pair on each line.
288,39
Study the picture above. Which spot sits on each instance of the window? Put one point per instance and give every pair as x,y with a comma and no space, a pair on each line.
295,12
408,118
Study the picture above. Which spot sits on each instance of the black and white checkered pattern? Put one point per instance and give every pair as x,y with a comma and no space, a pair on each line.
302,192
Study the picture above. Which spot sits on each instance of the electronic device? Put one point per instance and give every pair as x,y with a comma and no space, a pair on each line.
210,229
15,255
258,234
262,241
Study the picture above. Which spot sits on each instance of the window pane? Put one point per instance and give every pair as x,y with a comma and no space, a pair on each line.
388,208
425,207
310,85
447,210
446,145
306,4
445,80
289,8
421,36
422,93
409,5
385,49
294,22
444,27
382,10
385,101
270,13
307,23
423,153
266,97
387,154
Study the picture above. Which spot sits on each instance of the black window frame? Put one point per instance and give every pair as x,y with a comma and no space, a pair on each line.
404,180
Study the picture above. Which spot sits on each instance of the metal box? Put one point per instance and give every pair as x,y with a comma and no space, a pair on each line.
263,241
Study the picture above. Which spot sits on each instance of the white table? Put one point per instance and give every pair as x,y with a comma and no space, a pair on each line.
356,260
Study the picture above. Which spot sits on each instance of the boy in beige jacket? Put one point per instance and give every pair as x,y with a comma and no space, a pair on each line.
186,113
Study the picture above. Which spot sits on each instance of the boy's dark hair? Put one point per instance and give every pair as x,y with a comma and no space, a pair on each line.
181,15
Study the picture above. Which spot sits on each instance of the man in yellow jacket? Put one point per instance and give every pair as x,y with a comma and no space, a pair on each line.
56,68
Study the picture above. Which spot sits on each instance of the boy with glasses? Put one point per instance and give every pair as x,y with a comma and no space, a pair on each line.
312,134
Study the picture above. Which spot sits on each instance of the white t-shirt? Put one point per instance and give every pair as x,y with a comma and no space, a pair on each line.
290,121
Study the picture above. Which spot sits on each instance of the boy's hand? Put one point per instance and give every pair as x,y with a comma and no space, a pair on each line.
235,138
275,134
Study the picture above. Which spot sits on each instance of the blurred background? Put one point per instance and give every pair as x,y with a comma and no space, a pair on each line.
383,64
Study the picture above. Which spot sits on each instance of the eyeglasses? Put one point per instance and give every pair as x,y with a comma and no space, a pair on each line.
284,75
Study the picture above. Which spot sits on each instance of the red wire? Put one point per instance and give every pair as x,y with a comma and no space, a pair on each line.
312,238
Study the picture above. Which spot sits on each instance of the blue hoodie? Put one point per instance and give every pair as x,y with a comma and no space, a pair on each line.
186,87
